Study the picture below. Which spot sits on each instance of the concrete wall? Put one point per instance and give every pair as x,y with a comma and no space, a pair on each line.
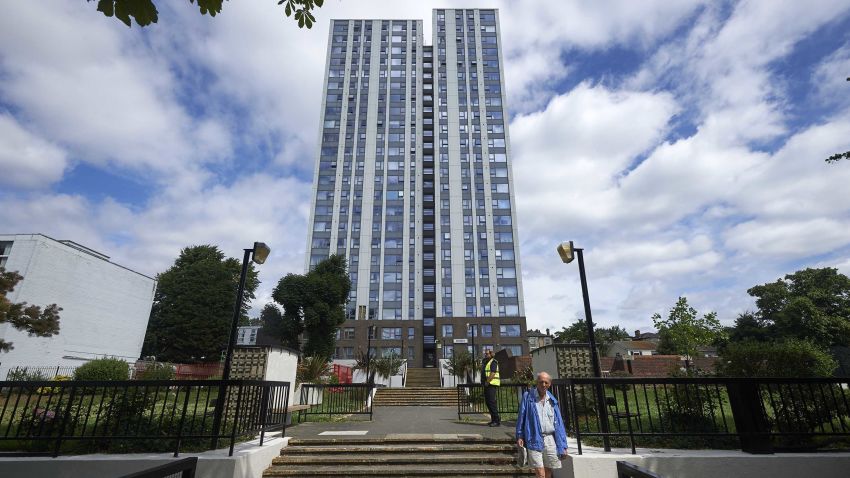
711,464
545,359
281,365
249,460
105,307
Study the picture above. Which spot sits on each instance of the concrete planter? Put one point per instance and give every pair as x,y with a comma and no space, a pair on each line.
313,396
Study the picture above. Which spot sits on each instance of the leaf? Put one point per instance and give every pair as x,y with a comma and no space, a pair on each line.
288,9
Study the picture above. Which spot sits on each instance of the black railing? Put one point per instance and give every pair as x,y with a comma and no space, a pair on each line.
45,372
756,415
184,468
628,470
53,417
335,399
470,399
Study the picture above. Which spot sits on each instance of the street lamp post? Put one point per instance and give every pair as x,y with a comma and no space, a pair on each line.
568,252
260,253
368,352
474,361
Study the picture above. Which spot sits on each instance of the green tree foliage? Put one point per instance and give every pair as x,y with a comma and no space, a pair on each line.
785,358
386,367
26,318
193,306
810,304
314,304
313,370
271,323
605,336
145,12
684,330
461,364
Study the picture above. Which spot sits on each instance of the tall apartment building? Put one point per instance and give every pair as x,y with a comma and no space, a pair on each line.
413,185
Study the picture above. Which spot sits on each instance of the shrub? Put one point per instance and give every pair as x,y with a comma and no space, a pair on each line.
103,369
788,358
156,371
524,376
312,370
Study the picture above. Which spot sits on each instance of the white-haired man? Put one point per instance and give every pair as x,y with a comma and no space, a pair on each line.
540,428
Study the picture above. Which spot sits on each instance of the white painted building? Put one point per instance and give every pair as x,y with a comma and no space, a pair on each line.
105,307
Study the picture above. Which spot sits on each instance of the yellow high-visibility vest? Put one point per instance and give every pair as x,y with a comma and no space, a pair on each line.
495,382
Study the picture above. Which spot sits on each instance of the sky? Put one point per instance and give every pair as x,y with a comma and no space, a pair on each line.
681,144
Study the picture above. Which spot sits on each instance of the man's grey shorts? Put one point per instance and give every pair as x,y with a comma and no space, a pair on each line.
548,458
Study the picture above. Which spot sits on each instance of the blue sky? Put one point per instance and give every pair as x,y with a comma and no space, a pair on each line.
680,143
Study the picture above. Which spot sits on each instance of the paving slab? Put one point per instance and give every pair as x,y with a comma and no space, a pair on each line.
395,421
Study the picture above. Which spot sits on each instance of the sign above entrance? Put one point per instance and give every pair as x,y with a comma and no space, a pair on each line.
461,341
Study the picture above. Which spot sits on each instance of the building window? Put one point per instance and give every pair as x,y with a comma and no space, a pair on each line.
391,333
486,330
448,330
5,251
509,330
348,333
515,350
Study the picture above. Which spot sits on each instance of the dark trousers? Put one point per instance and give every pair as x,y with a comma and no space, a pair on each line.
492,406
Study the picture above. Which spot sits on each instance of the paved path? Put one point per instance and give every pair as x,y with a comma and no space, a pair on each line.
409,420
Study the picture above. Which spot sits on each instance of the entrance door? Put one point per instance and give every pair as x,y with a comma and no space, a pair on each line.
429,359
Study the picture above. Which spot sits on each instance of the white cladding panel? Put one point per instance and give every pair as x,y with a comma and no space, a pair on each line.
105,307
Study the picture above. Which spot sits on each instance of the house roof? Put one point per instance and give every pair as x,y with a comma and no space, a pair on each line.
637,344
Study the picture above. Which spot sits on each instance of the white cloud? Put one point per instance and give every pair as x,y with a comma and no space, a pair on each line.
26,160
687,179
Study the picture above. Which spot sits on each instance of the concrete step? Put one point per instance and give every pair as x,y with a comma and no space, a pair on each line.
398,459
453,470
407,439
398,456
397,448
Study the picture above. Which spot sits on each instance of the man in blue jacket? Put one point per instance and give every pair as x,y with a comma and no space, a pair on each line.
540,428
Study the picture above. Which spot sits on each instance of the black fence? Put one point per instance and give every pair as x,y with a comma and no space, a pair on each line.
184,468
45,372
756,415
470,399
335,399
628,470
60,417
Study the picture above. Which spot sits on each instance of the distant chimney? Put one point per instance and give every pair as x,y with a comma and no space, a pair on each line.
637,333
547,332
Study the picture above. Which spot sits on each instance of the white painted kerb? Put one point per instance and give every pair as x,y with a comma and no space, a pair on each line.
710,464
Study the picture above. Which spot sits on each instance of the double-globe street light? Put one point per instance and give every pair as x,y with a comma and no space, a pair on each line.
568,253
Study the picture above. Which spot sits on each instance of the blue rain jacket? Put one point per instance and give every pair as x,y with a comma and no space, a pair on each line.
528,424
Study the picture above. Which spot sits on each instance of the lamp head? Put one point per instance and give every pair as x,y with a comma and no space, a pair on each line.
566,251
261,252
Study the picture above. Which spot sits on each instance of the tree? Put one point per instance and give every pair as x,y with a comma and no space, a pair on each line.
605,336
461,364
784,358
810,304
193,306
271,323
314,304
683,330
145,12
26,318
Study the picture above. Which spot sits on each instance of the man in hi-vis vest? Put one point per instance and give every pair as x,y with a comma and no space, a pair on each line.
490,377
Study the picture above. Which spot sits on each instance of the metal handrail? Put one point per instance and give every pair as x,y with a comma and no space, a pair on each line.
159,415
186,467
630,470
